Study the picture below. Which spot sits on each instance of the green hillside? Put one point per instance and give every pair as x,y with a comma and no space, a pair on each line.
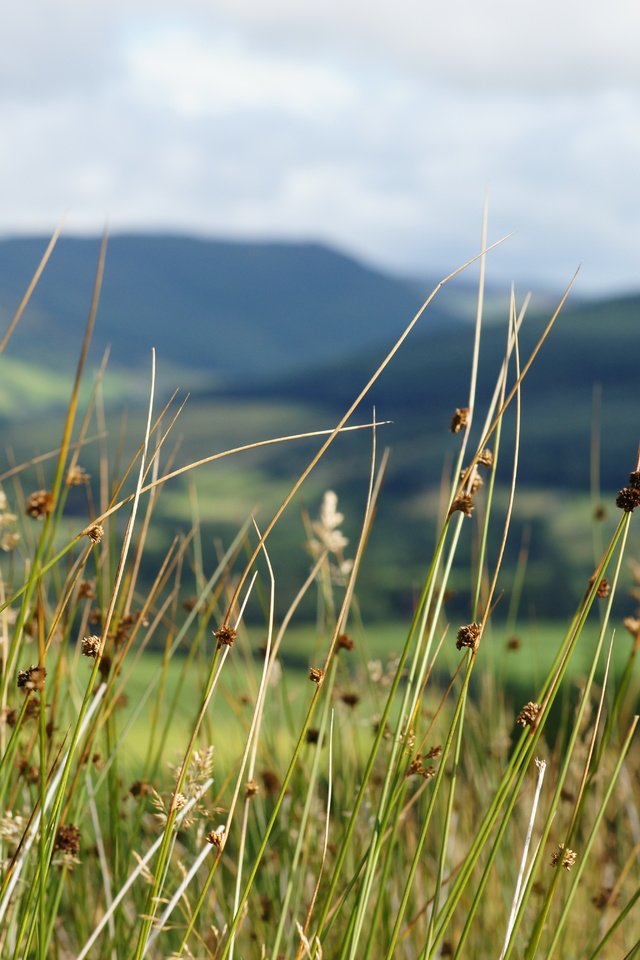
235,310
164,291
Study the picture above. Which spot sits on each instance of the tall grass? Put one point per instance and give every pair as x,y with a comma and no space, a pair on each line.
237,806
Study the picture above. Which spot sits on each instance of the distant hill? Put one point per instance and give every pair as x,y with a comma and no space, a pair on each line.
237,310
592,346
279,338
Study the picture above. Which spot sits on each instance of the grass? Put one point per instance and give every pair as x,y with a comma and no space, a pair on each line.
190,768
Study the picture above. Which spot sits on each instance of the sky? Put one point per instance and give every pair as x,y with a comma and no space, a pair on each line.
376,127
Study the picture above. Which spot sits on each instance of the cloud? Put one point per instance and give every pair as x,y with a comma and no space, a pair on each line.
379,132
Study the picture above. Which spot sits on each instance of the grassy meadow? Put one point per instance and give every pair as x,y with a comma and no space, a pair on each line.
232,749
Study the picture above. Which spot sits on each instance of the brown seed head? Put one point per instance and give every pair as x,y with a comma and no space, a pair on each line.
32,678
39,504
29,771
251,788
485,458
350,699
9,716
86,590
417,768
77,476
225,636
514,643
462,503
104,667
95,532
604,589
344,642
189,603
474,481
140,788
216,838
604,898
313,735
68,839
529,714
628,499
32,711
266,909
460,419
469,636
90,646
599,512
634,479
564,857
270,782
316,675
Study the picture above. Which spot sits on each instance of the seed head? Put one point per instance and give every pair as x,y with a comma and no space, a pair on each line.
474,480
460,419
485,458
563,856
604,898
316,675
90,647
350,699
604,589
95,532
270,782
216,837
68,839
463,503
77,476
225,636
140,788
344,642
9,716
39,504
529,714
628,499
178,800
251,788
417,768
104,667
634,479
514,643
87,590
469,636
32,678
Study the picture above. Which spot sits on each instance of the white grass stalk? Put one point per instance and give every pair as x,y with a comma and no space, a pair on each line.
52,790
160,922
517,895
102,857
139,869
325,846
252,741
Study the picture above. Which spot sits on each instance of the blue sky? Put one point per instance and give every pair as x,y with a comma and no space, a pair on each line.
375,127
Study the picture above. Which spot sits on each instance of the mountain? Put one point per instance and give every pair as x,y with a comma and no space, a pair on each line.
237,310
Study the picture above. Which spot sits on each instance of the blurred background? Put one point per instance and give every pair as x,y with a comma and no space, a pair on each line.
283,184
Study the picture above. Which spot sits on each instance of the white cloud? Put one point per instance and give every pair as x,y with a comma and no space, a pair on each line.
375,127
198,75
